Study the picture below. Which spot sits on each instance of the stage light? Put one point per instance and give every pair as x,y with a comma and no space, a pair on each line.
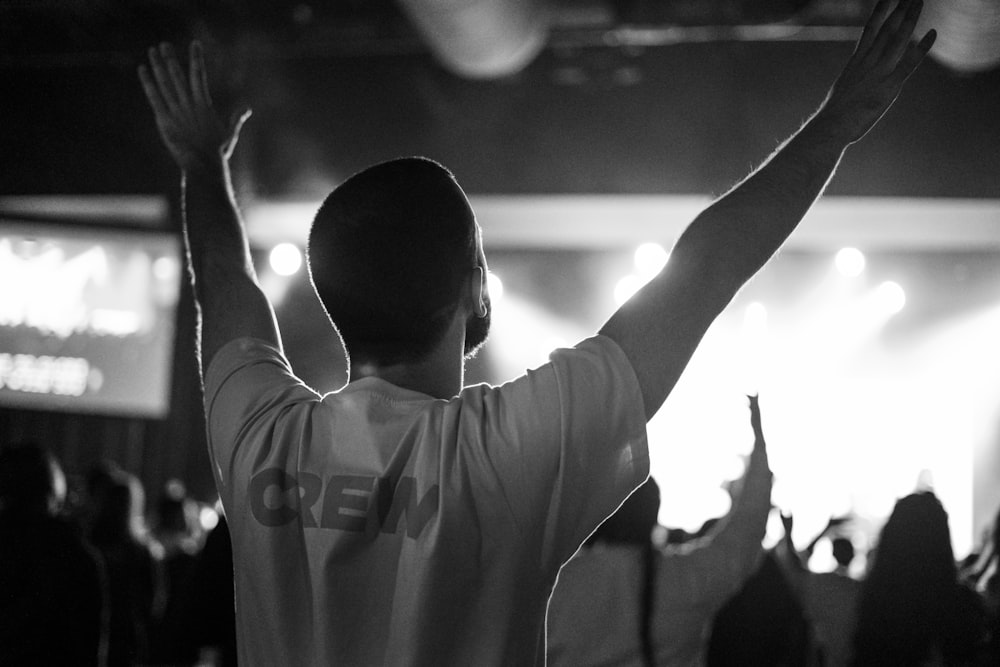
649,259
850,262
626,287
166,268
968,32
891,297
208,518
285,259
495,286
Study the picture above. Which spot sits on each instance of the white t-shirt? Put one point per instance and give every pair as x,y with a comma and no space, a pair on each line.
377,525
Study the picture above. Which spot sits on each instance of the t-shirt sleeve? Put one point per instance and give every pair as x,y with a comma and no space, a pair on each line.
566,443
247,384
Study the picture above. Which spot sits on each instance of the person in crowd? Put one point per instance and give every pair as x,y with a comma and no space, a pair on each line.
52,593
829,599
843,554
210,615
405,519
176,545
764,624
984,576
118,533
624,601
913,610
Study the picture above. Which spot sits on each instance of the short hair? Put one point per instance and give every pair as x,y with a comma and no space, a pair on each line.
388,253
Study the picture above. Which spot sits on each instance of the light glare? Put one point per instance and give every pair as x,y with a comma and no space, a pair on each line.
650,258
286,259
850,262
166,268
208,518
494,285
891,296
626,287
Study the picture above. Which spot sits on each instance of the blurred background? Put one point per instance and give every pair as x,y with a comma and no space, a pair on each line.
587,134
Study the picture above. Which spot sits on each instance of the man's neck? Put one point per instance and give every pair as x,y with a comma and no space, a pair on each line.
434,380
440,374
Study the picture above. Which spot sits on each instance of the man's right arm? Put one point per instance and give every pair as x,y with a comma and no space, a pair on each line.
230,301
660,327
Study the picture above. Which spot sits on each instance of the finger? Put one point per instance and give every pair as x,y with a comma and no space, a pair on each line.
163,81
874,23
176,74
199,76
899,42
890,31
236,121
152,92
914,56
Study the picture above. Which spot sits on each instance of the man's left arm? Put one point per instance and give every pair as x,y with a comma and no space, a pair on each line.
201,140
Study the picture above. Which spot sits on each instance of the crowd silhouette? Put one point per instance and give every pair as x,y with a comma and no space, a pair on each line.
91,584
104,582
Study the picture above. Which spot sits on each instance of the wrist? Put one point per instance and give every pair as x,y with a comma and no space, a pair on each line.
833,126
205,168
195,164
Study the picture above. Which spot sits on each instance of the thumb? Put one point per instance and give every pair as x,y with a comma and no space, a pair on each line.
237,119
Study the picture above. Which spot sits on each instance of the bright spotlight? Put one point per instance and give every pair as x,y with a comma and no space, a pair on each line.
166,268
626,287
649,259
891,296
495,286
850,262
285,259
208,518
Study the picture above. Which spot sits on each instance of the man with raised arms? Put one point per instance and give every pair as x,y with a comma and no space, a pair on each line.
404,519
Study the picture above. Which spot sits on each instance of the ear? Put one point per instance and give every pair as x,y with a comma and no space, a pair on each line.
480,295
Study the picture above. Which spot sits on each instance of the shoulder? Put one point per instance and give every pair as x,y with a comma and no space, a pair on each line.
240,353
593,362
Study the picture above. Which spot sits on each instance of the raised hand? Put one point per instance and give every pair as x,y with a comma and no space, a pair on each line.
755,418
787,522
883,59
194,132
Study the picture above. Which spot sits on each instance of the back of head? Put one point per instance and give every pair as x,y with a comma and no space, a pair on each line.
843,551
118,515
905,599
388,252
31,481
173,509
914,548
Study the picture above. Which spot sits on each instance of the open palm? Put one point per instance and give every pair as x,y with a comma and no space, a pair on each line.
194,132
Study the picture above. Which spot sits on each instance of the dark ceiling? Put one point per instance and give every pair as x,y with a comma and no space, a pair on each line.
627,97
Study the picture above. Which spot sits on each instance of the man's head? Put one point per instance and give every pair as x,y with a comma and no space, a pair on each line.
843,551
31,481
391,254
